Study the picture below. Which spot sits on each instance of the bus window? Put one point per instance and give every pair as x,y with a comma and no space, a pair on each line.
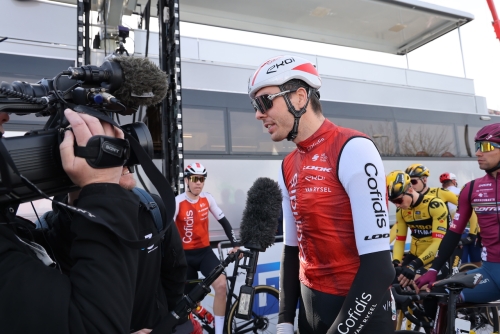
249,135
431,140
381,132
204,129
462,140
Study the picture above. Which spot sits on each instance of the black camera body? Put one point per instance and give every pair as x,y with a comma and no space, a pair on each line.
36,155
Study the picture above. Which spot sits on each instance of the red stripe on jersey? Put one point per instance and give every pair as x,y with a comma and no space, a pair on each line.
400,238
438,235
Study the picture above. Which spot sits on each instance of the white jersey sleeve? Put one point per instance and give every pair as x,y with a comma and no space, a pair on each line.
362,174
178,200
214,208
289,229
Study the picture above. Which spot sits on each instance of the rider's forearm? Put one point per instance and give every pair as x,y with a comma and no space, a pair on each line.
429,254
399,248
289,284
374,277
448,244
229,231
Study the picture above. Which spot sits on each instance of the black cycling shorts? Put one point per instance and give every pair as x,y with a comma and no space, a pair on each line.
202,259
318,311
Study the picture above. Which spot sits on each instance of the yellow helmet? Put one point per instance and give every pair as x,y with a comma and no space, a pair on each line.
398,183
417,170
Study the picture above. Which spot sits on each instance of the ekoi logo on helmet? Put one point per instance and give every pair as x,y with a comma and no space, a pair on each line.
279,70
275,67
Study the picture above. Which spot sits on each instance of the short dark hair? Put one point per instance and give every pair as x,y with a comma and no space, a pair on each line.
314,99
447,183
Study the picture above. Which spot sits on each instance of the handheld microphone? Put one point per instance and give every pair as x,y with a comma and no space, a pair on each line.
133,81
261,214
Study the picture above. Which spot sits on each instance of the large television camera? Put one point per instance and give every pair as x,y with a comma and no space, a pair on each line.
119,86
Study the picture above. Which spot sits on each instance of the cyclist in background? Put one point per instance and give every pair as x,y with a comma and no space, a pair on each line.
471,242
418,174
425,215
191,218
336,256
482,196
449,182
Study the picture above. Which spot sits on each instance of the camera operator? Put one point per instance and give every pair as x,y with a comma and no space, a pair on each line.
161,276
98,294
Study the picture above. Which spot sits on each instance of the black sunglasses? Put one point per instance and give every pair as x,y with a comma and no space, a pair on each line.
414,181
400,199
397,200
264,102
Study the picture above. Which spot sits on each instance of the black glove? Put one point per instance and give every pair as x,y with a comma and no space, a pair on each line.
409,271
469,239
396,263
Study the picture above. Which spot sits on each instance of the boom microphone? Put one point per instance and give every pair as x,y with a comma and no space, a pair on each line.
133,81
261,214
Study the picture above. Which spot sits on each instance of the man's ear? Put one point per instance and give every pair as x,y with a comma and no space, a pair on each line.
302,95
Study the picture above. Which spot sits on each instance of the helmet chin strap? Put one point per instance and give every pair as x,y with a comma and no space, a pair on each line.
296,113
489,171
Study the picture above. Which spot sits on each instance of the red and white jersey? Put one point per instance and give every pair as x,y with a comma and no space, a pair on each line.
191,218
334,206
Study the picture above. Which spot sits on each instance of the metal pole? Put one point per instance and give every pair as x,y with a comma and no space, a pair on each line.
87,32
80,10
461,51
170,62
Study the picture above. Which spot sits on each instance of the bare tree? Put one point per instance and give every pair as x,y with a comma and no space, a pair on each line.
433,140
383,137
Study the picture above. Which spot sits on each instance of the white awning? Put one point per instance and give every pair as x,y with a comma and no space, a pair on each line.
391,26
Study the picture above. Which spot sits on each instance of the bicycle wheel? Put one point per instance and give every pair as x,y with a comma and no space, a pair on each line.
484,320
264,313
466,267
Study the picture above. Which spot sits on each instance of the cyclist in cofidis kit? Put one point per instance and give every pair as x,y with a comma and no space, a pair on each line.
191,218
336,256
425,215
481,196
418,176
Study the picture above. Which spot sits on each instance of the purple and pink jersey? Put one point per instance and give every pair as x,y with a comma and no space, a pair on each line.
484,199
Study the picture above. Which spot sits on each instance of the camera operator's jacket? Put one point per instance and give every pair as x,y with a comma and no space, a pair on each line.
98,294
162,268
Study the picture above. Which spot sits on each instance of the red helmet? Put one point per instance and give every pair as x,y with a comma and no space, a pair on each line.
447,177
278,70
490,132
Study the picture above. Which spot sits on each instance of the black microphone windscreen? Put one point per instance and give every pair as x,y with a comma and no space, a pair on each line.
260,217
144,83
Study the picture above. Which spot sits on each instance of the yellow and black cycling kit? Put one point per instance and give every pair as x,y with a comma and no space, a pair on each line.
427,221
443,194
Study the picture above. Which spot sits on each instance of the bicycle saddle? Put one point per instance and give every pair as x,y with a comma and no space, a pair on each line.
460,280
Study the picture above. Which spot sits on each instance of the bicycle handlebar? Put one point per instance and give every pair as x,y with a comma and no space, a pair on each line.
190,301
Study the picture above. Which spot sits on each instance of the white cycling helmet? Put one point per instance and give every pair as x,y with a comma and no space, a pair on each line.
278,70
195,169
447,177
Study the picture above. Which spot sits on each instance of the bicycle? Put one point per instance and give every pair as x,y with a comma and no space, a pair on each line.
265,300
451,318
